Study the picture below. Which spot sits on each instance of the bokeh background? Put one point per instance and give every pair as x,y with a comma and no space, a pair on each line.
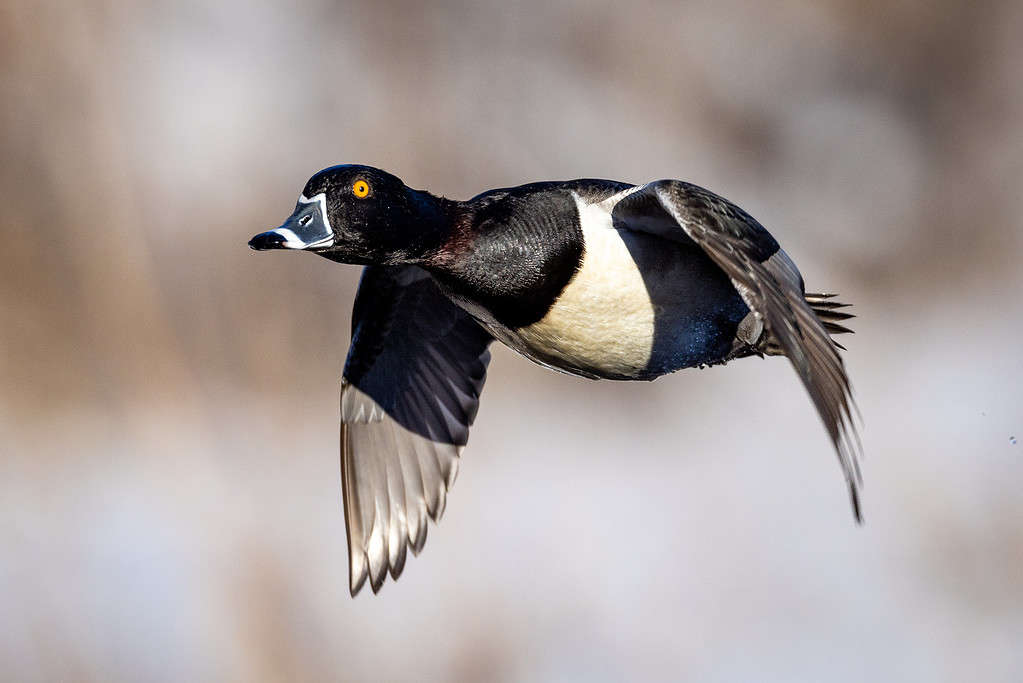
169,486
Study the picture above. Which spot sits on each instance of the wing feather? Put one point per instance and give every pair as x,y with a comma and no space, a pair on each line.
770,285
409,394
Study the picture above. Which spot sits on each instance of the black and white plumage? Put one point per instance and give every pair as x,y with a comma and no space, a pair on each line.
409,393
594,278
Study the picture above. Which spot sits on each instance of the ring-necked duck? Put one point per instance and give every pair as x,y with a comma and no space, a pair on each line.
594,278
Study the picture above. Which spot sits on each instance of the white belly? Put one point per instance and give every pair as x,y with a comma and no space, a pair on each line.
603,322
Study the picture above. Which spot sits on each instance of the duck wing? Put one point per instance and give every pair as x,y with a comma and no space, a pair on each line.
409,394
771,286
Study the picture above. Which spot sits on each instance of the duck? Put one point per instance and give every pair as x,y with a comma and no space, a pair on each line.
594,278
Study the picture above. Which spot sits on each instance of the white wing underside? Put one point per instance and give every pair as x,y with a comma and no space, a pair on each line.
395,480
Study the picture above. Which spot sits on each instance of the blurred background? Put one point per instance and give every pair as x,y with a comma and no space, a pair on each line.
169,486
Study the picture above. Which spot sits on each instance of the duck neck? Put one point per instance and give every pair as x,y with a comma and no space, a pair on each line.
513,266
436,221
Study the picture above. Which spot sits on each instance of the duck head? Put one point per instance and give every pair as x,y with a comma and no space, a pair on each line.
362,215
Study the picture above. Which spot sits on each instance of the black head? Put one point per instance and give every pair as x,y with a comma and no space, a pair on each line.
360,214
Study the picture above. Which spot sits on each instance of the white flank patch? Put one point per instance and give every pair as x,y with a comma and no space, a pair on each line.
603,322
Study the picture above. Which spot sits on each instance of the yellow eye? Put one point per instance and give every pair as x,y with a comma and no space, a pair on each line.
360,188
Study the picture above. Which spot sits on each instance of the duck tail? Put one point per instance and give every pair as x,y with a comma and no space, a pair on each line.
830,313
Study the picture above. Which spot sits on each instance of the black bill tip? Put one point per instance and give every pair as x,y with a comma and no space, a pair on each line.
267,240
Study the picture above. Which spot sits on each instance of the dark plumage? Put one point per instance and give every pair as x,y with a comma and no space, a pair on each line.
595,278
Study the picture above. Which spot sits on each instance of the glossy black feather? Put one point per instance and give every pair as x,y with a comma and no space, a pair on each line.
444,276
410,392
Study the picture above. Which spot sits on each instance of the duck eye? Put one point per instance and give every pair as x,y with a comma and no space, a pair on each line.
360,188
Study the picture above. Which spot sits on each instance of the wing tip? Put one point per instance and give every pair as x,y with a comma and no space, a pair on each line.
857,508
356,573
850,450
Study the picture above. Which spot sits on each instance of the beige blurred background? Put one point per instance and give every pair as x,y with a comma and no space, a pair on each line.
169,487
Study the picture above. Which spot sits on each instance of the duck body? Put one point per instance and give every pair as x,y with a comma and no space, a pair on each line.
595,278
546,271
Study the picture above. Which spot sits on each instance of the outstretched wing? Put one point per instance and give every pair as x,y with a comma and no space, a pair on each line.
409,394
770,285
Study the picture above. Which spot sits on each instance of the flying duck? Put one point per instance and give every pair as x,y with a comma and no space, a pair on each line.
594,278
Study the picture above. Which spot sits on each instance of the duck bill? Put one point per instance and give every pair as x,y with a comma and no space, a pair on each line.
307,228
